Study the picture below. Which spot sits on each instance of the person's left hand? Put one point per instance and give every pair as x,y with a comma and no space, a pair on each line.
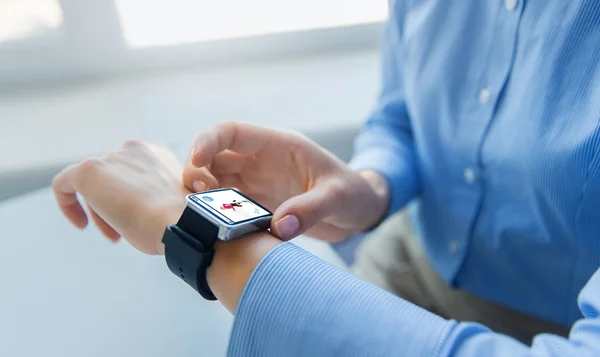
134,192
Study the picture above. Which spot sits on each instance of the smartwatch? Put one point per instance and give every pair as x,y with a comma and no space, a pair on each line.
223,214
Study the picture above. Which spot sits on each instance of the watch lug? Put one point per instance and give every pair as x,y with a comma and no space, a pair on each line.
223,232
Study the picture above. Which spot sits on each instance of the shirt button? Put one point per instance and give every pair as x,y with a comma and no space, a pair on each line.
469,175
484,96
510,4
453,246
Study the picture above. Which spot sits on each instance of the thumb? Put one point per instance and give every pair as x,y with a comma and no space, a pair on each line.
300,213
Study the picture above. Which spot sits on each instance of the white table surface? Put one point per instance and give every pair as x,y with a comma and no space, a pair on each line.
69,293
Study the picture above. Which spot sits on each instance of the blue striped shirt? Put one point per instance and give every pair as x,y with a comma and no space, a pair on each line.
488,116
297,305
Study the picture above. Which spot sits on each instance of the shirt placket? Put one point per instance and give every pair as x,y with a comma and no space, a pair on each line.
486,95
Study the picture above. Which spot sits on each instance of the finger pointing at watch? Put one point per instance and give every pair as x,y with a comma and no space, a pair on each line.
309,189
302,212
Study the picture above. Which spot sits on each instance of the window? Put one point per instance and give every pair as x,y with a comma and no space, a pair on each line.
25,19
57,39
148,23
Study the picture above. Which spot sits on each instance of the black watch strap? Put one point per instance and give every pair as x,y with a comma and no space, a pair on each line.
189,250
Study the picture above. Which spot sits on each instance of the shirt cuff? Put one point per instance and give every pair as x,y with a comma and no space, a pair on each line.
294,304
394,159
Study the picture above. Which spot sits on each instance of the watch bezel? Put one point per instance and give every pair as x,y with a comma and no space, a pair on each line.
228,231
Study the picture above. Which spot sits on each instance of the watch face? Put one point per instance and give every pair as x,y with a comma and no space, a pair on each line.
229,205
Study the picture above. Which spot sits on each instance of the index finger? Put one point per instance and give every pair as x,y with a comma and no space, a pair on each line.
237,137
63,186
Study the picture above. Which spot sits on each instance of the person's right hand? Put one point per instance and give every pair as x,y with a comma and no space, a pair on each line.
309,189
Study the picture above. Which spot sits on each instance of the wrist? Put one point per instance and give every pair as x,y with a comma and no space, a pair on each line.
166,216
375,199
233,264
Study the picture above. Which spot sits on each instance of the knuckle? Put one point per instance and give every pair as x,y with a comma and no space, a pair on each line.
56,181
300,141
296,136
337,190
227,133
60,178
159,146
193,173
295,140
90,165
87,171
133,143
229,125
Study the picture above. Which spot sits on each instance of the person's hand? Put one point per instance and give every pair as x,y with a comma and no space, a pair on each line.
134,192
309,189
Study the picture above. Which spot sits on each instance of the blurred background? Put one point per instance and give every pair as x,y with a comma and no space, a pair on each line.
78,77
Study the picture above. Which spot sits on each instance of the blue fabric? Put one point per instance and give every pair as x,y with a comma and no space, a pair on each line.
294,304
489,117
346,249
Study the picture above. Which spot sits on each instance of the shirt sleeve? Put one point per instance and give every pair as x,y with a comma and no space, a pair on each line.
470,340
294,304
386,141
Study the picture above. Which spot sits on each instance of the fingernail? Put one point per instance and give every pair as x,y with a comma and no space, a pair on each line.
287,227
199,186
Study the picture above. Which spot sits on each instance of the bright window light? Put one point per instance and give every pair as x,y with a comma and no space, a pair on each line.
150,23
22,19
